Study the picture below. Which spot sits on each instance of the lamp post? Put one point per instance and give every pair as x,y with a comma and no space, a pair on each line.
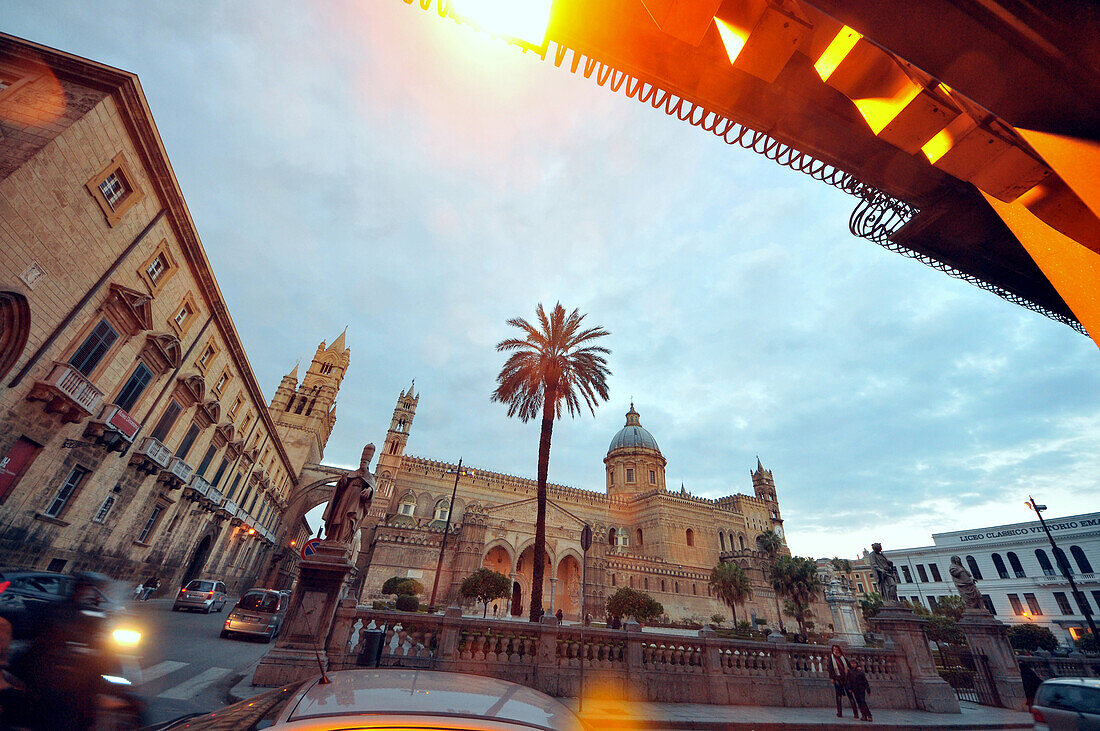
586,543
446,530
1063,563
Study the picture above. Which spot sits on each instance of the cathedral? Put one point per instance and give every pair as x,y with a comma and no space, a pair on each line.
645,537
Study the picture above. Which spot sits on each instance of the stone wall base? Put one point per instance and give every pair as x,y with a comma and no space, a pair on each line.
284,665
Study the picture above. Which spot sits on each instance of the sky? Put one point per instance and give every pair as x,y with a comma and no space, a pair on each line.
369,165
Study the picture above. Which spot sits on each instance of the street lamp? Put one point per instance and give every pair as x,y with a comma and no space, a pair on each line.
458,471
1063,563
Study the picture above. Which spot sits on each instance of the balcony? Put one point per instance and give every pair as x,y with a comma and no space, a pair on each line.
197,489
228,509
176,474
1061,580
151,456
113,428
214,500
67,393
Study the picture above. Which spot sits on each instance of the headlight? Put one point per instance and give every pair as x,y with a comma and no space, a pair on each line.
126,637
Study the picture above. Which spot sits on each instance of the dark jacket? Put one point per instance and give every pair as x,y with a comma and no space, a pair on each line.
838,668
857,682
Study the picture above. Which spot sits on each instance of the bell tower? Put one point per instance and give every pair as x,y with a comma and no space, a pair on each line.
305,413
763,484
393,449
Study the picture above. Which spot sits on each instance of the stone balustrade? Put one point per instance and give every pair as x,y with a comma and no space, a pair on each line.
628,663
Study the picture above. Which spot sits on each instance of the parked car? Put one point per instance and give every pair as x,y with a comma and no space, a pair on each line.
1067,703
394,699
259,613
201,595
27,592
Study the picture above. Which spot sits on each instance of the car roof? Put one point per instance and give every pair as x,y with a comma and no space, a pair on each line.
426,692
1087,682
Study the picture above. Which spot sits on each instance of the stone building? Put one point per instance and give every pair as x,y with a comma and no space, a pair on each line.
134,438
664,543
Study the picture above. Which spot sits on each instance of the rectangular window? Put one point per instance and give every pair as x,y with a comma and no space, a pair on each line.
1032,604
57,505
233,489
652,477
223,380
104,509
989,604
1096,597
922,573
183,316
221,471
188,440
155,268
94,347
935,572
207,357
908,576
134,387
1082,602
114,189
15,464
246,423
167,421
150,524
860,588
206,461
1017,608
238,402
629,474
1063,602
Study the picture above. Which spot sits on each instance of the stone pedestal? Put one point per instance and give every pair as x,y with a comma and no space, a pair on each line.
842,605
300,650
987,635
906,631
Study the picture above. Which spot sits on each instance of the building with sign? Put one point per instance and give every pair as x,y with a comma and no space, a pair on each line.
1016,571
134,438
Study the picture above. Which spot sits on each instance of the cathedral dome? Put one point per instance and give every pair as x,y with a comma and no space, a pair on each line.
633,435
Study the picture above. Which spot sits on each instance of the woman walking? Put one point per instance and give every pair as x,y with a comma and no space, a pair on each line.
840,673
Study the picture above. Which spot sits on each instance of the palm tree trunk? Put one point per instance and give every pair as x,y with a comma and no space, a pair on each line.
733,608
539,569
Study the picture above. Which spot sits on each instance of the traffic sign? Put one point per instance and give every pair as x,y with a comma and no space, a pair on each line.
310,547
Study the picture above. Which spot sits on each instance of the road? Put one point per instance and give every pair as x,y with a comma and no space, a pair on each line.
186,666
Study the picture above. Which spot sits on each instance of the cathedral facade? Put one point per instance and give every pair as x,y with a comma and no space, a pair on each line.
645,537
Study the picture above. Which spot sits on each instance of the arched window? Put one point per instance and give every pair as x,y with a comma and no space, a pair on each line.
690,534
645,582
442,510
695,589
408,505
639,538
1044,563
611,537
1082,561
999,564
722,540
613,583
676,587
631,582
662,584
741,540
1063,562
974,570
1014,562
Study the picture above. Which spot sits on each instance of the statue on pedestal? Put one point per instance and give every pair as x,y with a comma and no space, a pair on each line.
350,501
966,586
886,575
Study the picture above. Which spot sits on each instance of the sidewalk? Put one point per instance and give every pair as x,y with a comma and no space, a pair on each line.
612,715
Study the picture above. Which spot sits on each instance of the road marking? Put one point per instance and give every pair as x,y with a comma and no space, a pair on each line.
192,687
159,670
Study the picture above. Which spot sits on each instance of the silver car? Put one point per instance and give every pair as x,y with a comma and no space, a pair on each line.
201,595
1067,703
259,613
395,699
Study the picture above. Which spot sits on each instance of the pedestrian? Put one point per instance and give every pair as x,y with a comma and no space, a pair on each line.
860,689
494,610
151,584
138,590
587,620
560,615
839,668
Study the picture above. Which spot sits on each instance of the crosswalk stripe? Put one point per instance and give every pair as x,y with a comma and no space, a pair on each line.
159,670
192,687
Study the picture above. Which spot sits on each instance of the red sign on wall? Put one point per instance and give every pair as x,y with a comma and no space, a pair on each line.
15,463
124,423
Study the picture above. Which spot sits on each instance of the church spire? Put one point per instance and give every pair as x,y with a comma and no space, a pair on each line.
338,343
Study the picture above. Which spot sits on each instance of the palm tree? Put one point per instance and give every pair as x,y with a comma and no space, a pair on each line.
732,585
555,364
796,579
770,544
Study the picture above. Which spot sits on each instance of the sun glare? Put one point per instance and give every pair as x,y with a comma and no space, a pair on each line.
525,20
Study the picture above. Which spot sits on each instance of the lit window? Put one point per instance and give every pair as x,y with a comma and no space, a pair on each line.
104,509
114,189
150,524
1032,604
1017,607
57,505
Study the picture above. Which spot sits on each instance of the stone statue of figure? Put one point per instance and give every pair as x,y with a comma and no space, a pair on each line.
886,574
964,582
350,501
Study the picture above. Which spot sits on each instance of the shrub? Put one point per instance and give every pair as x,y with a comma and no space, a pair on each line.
402,585
407,603
632,603
379,605
717,618
1086,643
943,629
1031,637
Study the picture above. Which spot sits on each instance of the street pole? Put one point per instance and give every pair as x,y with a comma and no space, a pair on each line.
1063,564
446,530
586,543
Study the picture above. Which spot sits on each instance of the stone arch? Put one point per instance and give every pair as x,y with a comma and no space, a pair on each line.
567,553
530,543
567,594
425,505
499,549
15,328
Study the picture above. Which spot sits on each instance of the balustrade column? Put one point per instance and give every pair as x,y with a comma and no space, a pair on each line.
447,649
717,691
553,588
546,677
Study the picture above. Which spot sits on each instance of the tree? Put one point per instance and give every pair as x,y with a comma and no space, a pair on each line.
555,365
870,605
942,629
1031,637
950,606
402,586
770,544
628,602
732,585
795,579
842,565
485,585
